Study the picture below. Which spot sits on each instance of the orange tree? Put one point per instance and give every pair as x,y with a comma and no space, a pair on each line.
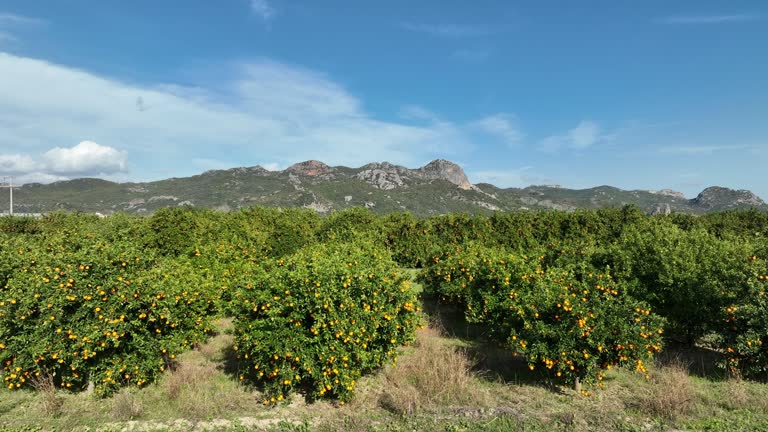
81,310
319,319
573,321
745,333
689,277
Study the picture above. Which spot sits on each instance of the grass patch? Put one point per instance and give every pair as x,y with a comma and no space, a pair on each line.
433,376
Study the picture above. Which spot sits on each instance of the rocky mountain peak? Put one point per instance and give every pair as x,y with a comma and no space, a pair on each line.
668,192
310,168
386,166
383,175
717,197
446,170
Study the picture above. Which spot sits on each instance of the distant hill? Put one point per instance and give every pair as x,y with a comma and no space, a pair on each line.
438,187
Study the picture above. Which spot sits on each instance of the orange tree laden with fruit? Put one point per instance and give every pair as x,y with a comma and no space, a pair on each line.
745,334
319,319
83,311
572,321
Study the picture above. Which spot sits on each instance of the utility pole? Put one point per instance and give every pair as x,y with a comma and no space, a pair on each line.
9,180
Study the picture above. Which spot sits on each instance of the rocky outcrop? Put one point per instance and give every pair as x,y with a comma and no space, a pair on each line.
311,168
446,170
162,198
240,171
669,193
387,176
662,209
721,198
384,175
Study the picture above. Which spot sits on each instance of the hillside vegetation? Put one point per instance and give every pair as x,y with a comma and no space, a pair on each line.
439,187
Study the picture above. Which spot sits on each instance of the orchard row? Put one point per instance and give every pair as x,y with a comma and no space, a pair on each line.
319,301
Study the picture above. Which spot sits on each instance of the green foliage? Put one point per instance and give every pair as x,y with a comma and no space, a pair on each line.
19,225
284,231
407,239
697,272
413,241
746,223
745,336
85,311
321,318
571,321
353,224
688,277
171,231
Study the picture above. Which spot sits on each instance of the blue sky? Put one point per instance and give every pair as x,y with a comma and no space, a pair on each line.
635,94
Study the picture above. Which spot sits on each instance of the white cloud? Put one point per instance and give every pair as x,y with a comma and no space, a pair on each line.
515,177
15,164
503,126
268,111
586,134
86,158
38,177
707,19
448,30
272,166
263,9
14,19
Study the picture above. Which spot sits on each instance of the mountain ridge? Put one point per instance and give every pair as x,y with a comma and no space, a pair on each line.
440,186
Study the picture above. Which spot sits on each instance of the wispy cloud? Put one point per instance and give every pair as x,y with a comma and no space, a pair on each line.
586,134
707,19
415,112
448,30
8,19
704,150
10,24
263,9
513,177
502,125
7,37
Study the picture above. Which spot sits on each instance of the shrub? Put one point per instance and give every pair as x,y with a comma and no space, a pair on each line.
19,225
107,314
688,277
321,318
573,321
352,224
172,231
745,334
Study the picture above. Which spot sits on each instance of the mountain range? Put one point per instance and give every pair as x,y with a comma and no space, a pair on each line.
439,187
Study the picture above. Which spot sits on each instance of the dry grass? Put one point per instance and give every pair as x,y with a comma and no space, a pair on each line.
51,402
434,375
670,395
737,394
214,349
186,378
126,406
200,390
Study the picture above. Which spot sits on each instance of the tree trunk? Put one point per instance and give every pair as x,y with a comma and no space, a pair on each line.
577,385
